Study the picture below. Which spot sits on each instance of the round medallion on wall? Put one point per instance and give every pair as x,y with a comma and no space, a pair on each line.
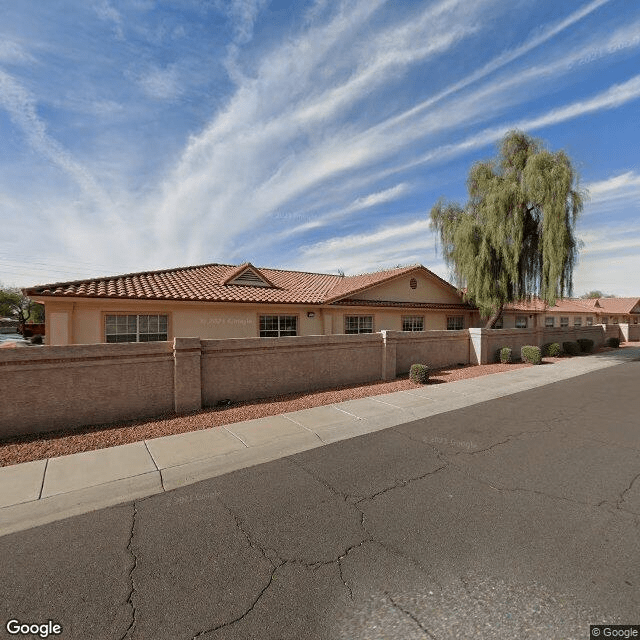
413,283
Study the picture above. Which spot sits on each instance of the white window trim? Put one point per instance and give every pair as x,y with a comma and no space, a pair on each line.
412,320
278,316
362,322
138,333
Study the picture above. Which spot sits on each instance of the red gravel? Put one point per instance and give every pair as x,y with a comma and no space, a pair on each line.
60,443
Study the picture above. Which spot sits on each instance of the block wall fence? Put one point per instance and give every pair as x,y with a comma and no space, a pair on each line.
49,388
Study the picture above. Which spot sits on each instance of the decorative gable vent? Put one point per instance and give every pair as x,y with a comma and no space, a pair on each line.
249,278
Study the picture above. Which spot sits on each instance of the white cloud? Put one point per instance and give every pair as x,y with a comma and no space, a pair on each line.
22,109
243,14
247,160
621,186
107,12
161,83
13,52
386,246
613,97
500,61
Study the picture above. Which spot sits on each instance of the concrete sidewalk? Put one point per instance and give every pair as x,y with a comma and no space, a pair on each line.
43,491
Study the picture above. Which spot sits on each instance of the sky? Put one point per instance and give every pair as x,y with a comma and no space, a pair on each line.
313,135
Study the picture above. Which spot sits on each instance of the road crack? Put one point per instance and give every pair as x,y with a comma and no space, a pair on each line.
410,615
622,498
134,565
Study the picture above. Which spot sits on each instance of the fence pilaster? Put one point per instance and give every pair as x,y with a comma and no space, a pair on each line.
389,343
187,381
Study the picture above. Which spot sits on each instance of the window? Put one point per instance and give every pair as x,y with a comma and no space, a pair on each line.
549,321
615,320
499,323
635,320
521,322
577,321
135,328
413,323
455,323
358,324
564,321
605,319
589,321
278,326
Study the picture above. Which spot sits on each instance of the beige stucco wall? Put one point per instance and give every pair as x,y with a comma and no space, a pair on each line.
399,290
433,348
84,318
64,387
258,368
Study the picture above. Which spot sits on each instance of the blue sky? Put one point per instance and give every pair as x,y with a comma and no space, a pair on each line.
312,135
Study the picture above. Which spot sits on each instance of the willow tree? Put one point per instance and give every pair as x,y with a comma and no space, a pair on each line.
514,239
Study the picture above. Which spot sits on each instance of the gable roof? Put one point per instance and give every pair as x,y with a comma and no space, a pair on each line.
214,283
352,285
618,305
247,275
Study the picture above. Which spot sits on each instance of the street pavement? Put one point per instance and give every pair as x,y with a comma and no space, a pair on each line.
517,517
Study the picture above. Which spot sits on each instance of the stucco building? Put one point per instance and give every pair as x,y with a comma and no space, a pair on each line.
571,312
227,301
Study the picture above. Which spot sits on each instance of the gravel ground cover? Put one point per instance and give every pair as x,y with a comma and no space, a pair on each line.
60,443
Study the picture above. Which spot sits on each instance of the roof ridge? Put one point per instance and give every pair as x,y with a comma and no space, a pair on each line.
129,275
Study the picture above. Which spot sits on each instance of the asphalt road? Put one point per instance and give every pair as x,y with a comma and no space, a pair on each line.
515,518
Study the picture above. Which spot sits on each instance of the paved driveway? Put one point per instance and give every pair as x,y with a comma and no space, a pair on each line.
514,518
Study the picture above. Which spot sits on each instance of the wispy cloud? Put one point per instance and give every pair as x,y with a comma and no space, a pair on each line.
22,110
388,245
160,83
613,97
622,185
13,52
107,12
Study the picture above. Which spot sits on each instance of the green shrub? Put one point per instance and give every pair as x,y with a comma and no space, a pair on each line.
503,355
552,349
571,348
586,345
419,373
613,342
531,354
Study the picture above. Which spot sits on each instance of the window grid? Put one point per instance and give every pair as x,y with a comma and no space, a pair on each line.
564,321
521,322
358,324
577,322
549,322
413,323
455,323
589,321
278,326
136,328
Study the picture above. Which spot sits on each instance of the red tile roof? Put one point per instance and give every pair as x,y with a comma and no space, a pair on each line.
578,305
618,305
207,283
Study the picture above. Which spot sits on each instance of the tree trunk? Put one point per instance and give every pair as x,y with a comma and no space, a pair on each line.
494,317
